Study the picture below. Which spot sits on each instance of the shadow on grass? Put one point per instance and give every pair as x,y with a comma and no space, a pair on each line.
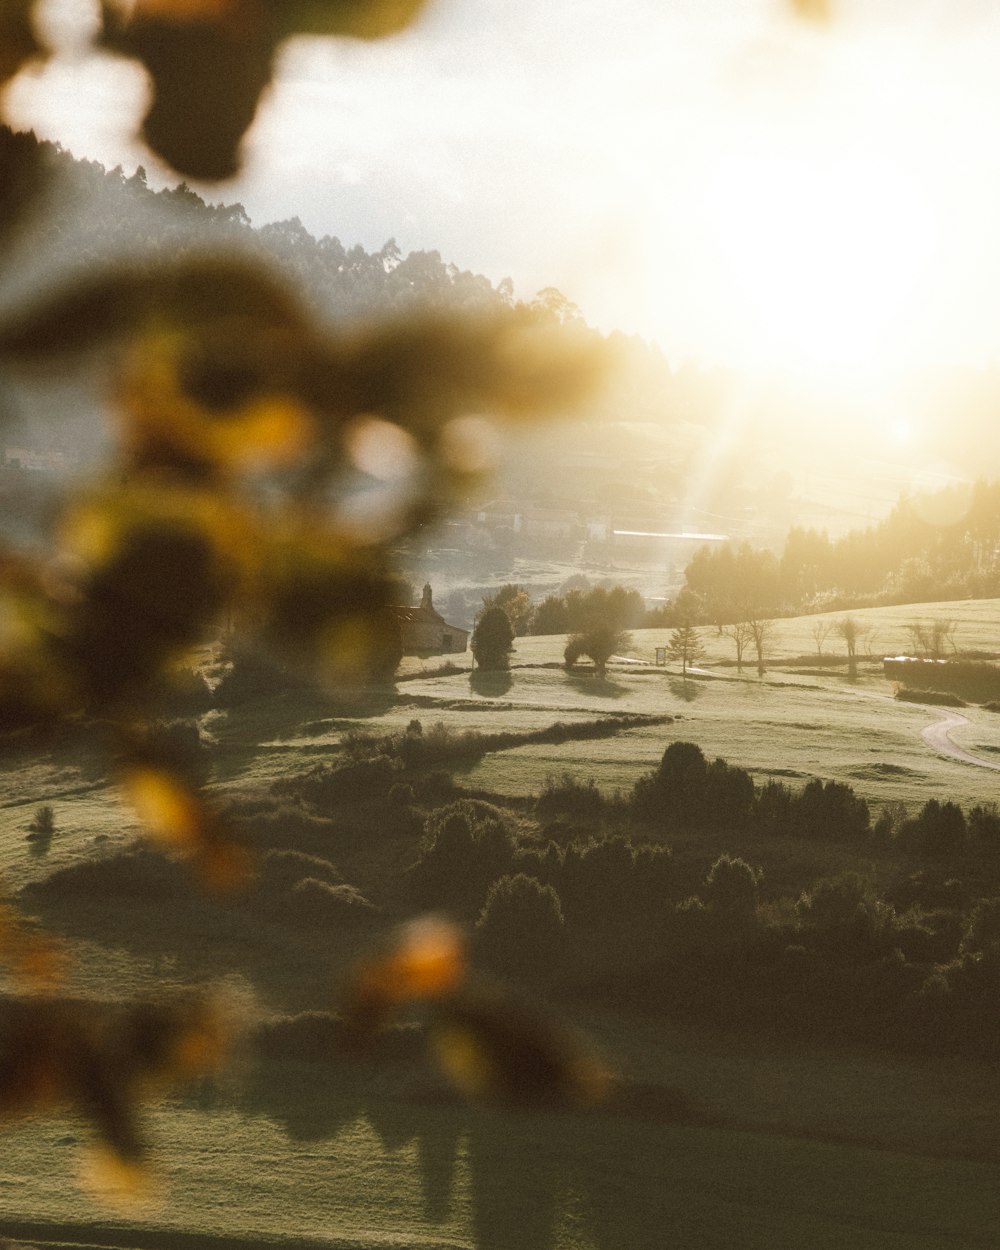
602,687
203,940
528,1170
685,689
490,685
39,844
241,731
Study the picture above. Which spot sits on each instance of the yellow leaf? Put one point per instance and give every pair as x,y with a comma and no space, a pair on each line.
812,10
177,815
423,960
362,19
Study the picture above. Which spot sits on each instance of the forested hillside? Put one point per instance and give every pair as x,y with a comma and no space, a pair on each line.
939,546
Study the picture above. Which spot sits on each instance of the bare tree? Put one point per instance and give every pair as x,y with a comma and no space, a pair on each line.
740,634
820,631
932,638
943,637
920,639
854,633
762,632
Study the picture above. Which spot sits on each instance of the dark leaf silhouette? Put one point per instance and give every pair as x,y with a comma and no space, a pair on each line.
17,37
103,1060
497,1048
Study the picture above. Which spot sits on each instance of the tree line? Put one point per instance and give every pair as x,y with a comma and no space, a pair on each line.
939,546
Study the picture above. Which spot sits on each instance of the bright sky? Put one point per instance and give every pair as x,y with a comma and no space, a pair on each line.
742,186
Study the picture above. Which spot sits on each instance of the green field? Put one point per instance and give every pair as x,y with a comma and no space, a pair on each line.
789,723
717,1141
808,1149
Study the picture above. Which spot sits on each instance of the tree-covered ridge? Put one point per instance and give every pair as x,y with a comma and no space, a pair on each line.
937,546
95,214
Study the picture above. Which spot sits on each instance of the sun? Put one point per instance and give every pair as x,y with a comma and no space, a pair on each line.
820,263
901,432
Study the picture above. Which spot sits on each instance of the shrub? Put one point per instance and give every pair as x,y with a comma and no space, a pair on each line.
565,795
939,698
928,891
984,827
772,812
252,675
830,810
178,745
890,820
435,786
544,863
732,886
600,643
314,902
188,693
653,873
43,822
982,931
326,786
938,832
971,679
679,785
281,870
729,796
321,1037
927,937
401,795
573,650
520,929
492,640
275,823
843,916
598,880
467,846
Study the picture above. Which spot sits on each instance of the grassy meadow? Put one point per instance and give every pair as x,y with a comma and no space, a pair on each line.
714,1141
772,1150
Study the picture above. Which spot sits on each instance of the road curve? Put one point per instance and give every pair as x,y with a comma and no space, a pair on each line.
938,737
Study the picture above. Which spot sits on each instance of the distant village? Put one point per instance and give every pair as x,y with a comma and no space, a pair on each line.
478,544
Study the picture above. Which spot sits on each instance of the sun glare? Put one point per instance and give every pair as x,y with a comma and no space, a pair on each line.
902,433
823,260
829,218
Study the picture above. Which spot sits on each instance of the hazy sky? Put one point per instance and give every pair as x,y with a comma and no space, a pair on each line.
741,185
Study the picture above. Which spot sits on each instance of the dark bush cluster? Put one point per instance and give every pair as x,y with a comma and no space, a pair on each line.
688,793
418,748
936,698
604,881
328,785
468,845
974,680
566,796
520,931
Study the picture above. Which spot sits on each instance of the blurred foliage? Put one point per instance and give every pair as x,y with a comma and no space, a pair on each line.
491,1043
210,61
264,466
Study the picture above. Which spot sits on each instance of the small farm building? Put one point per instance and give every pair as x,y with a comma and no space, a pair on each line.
424,630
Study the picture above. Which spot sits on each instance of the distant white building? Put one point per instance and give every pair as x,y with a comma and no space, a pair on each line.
37,461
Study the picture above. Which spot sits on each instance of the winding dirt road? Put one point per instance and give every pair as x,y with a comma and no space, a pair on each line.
938,737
